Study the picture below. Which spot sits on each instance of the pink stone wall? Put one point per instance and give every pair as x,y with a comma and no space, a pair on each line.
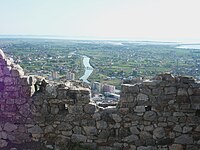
15,92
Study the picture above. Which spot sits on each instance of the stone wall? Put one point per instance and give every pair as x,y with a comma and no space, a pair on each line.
162,113
15,91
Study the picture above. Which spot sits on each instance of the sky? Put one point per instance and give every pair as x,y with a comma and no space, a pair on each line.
168,20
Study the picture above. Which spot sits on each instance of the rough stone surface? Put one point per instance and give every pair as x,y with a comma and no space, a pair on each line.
78,138
140,109
90,130
187,129
150,116
101,125
184,139
9,127
130,138
134,130
159,132
116,118
176,147
3,143
35,130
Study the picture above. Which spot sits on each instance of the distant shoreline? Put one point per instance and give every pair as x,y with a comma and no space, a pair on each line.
135,40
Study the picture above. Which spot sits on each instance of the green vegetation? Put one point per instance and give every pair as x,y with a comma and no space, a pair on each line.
42,56
113,61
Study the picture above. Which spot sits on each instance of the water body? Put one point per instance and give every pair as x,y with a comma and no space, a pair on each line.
189,46
88,69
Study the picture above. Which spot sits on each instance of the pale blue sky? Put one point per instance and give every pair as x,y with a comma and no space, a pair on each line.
134,19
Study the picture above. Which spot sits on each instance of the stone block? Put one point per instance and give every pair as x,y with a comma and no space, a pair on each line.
54,109
16,72
118,145
24,109
10,108
130,138
66,133
89,108
9,81
192,147
149,128
164,141
77,130
116,117
177,128
153,83
195,99
61,140
6,70
187,129
35,130
90,145
10,101
184,139
134,130
170,90
20,101
78,138
101,124
3,135
182,99
145,90
48,129
3,143
150,116
139,109
132,88
64,126
182,92
157,91
144,135
186,79
197,128
88,122
178,114
90,130
146,148
176,147
159,133
75,109
142,97
172,119
190,91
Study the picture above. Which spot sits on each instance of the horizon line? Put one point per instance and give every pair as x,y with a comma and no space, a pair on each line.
162,40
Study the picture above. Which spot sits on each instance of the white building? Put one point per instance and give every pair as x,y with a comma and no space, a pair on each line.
70,76
54,75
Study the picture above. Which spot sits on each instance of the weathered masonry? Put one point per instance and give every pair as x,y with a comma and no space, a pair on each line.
159,114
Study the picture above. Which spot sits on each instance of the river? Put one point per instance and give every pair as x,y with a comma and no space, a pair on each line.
88,69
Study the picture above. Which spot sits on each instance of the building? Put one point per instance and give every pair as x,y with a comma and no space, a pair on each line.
108,88
70,76
54,75
96,86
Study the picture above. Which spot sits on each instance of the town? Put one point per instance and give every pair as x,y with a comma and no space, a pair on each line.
113,62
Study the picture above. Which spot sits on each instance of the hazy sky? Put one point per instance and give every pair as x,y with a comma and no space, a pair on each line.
136,19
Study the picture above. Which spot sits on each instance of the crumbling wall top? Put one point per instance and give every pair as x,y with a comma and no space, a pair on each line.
161,91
